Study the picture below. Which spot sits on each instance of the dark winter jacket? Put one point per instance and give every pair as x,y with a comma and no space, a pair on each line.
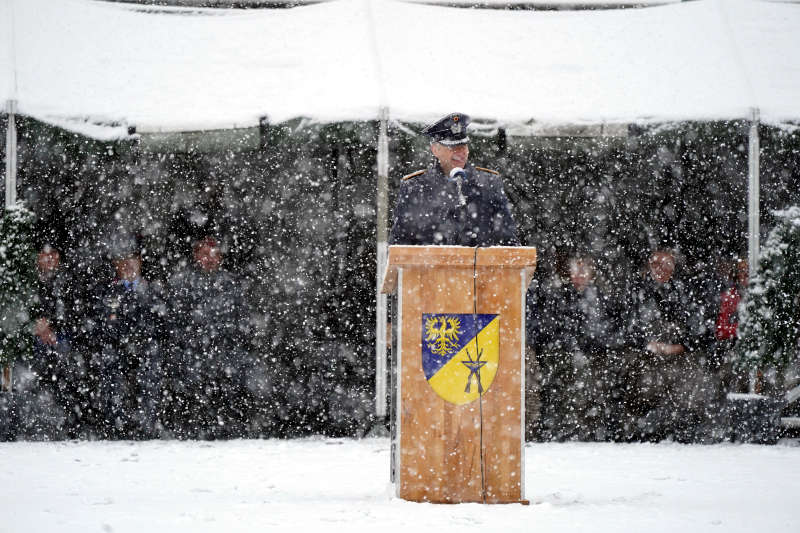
210,328
569,320
53,301
428,210
130,318
662,313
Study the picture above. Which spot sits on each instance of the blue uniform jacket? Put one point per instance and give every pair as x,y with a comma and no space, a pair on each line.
428,210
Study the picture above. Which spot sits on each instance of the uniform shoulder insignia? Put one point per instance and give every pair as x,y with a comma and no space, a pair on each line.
488,170
413,175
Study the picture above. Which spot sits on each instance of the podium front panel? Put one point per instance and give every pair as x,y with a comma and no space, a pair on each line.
439,454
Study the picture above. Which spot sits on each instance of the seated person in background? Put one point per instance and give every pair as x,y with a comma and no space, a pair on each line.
575,329
669,392
129,316
208,359
54,374
726,324
51,301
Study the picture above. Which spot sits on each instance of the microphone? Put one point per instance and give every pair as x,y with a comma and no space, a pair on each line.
458,172
458,175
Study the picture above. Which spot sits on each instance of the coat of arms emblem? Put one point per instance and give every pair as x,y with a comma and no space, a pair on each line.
460,354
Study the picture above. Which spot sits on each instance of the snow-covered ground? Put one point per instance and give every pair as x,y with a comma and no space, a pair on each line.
342,485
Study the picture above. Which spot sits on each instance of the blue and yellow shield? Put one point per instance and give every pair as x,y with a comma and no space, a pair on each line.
460,354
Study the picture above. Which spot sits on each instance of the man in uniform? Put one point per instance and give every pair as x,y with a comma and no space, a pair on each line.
452,202
455,203
573,334
208,363
128,335
668,390
61,368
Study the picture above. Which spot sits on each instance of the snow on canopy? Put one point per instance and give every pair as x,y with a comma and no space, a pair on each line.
548,4
99,68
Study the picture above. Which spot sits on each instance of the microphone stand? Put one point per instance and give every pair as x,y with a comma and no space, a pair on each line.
458,175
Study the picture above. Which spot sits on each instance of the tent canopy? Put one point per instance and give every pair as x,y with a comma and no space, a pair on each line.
98,68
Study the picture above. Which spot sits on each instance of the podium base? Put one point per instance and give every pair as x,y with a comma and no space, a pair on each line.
495,502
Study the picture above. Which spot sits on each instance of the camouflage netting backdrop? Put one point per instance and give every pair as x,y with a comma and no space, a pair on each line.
295,215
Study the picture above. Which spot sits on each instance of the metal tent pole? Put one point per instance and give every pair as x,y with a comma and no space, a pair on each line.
6,382
11,154
11,197
753,193
381,318
753,204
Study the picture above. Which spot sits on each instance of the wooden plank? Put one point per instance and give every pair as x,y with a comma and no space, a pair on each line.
439,457
420,256
454,256
498,292
389,277
506,257
440,442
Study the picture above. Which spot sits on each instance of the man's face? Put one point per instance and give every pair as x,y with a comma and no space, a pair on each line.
128,268
450,157
47,262
662,266
581,273
207,257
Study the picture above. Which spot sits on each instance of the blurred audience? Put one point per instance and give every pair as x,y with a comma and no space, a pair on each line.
129,313
574,329
643,363
669,391
49,400
736,277
208,362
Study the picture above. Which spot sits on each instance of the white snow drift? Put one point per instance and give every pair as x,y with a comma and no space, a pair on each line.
342,485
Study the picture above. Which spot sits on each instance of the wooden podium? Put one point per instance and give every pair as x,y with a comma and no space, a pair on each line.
458,326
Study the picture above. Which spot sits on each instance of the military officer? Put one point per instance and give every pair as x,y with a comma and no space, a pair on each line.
452,202
128,342
209,360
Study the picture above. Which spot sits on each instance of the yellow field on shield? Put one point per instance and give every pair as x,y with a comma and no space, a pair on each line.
450,381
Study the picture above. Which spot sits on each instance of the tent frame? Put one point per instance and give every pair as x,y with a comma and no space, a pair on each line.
11,199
